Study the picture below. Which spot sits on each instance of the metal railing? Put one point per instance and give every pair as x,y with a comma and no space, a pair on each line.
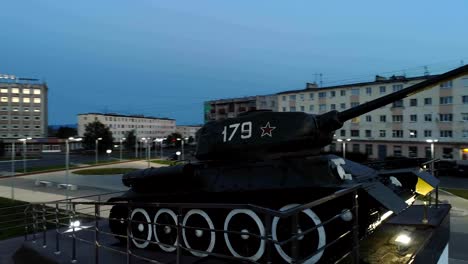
58,220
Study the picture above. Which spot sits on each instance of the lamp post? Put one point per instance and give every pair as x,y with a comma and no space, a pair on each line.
121,140
160,140
432,141
67,162
182,146
13,170
343,146
24,151
97,149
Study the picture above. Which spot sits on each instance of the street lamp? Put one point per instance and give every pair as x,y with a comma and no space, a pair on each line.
182,146
122,139
343,142
160,140
13,170
24,151
97,149
67,162
432,141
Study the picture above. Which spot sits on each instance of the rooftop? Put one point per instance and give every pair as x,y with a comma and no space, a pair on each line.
132,116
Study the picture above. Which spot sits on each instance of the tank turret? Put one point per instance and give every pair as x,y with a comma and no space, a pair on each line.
271,160
265,134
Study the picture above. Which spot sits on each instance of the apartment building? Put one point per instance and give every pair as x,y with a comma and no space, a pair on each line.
229,108
398,129
23,108
188,131
119,125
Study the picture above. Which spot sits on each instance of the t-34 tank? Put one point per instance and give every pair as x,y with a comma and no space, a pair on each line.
270,159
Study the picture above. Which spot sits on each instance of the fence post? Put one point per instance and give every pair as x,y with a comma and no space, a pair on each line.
44,226
34,223
179,236
268,237
129,226
26,224
96,233
356,258
73,260
57,230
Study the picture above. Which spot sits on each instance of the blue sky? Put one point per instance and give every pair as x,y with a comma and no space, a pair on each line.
164,58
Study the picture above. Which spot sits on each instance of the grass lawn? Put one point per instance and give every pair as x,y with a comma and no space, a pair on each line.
45,168
104,171
165,162
463,193
11,219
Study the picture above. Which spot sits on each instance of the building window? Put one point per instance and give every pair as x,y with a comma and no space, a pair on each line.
332,107
284,98
26,91
355,91
311,108
383,118
15,118
355,133
465,133
38,110
398,103
369,149
322,94
413,151
413,118
447,84
446,133
397,151
37,126
427,101
322,107
465,117
15,109
343,133
284,109
413,102
26,118
37,91
397,118
397,133
15,99
37,100
465,82
445,117
302,109
354,104
368,118
332,94
342,92
369,90
446,100
356,148
37,118
427,133
301,96
428,117
368,133
343,106
15,90
4,90
311,96
428,153
465,99
382,89
447,153
397,87
292,109
413,133
26,100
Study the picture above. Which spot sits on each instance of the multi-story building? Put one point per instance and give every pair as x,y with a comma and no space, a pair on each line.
23,108
119,125
398,129
229,108
188,131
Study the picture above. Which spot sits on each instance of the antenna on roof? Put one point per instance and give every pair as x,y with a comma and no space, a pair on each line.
426,71
321,81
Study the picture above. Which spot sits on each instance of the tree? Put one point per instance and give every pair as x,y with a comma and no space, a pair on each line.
130,138
172,139
95,130
65,132
190,140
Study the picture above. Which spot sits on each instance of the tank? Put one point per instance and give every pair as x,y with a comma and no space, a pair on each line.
269,159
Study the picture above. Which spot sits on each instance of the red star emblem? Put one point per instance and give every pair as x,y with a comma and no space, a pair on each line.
267,129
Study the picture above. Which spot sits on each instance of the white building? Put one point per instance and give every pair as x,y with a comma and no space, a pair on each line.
120,125
398,129
188,131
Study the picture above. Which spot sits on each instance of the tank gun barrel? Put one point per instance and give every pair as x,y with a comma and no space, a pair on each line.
385,100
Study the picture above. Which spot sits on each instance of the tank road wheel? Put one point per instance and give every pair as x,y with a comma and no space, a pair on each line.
165,230
140,228
244,245
199,239
118,222
281,230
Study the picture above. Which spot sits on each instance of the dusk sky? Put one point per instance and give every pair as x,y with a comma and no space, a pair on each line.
164,58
